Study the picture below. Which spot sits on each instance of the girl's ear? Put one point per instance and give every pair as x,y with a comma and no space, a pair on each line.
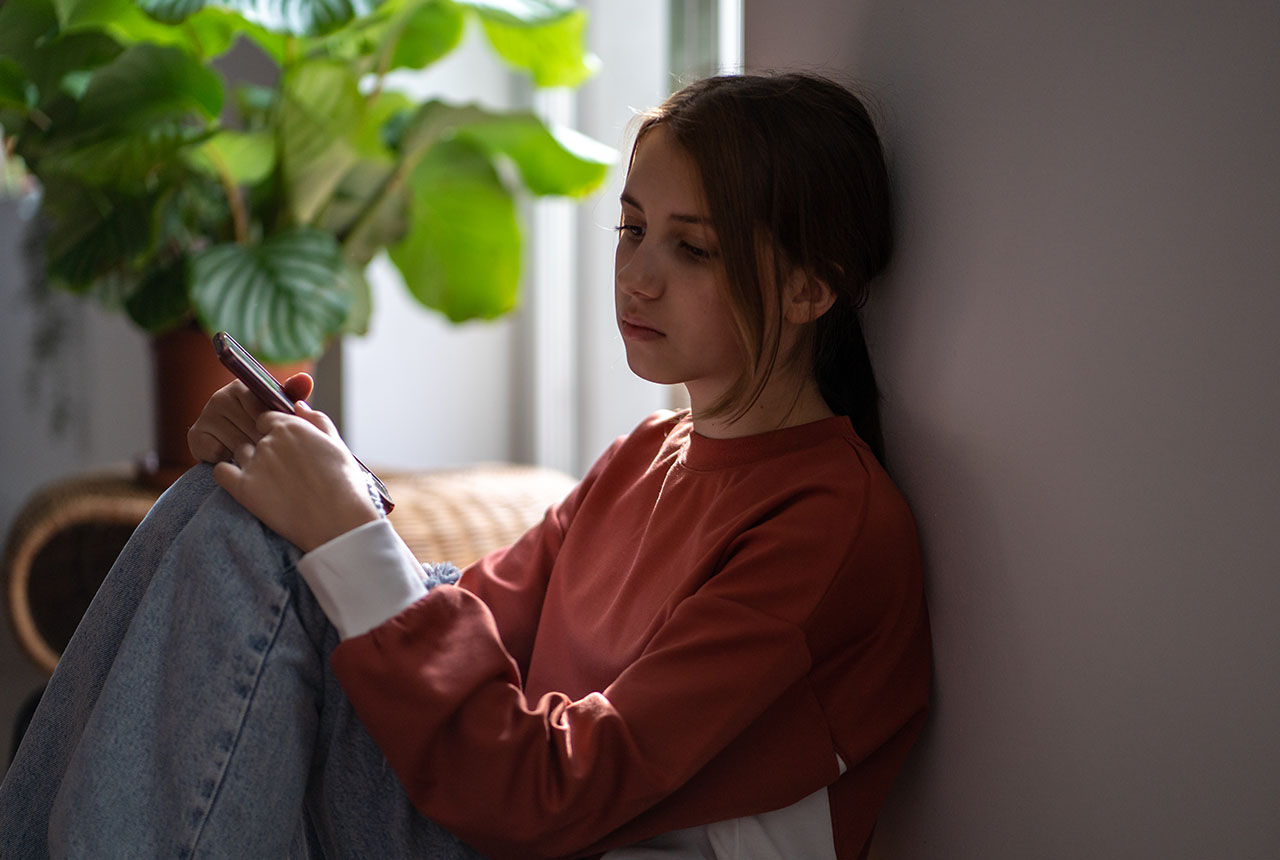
807,298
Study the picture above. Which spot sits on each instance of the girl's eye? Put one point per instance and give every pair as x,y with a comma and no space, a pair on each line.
696,252
630,231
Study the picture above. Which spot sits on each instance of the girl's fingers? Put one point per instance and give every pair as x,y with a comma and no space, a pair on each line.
215,436
319,419
227,475
206,448
243,454
230,435
246,402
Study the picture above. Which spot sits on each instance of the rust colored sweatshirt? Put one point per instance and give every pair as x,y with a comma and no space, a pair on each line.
704,629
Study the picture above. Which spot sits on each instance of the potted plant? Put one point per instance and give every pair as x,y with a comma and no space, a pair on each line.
185,198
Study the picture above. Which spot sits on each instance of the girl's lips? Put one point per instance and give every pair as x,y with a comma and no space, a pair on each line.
637,329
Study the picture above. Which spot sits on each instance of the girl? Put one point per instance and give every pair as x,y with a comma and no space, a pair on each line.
715,646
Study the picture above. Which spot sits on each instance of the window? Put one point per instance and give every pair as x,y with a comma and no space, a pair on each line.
549,384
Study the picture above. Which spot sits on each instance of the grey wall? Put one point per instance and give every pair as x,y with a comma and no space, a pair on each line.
1077,350
84,406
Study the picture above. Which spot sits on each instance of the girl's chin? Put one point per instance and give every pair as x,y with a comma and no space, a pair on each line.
649,373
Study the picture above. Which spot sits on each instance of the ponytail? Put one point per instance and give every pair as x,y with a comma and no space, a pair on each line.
845,376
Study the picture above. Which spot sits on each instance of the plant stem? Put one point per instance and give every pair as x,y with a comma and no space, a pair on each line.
235,197
389,186
194,36
442,120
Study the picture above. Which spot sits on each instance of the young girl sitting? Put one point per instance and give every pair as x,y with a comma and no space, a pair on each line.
715,646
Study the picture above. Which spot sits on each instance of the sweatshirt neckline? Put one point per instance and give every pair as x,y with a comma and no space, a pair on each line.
704,453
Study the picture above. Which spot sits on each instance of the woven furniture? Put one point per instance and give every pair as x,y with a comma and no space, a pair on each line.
65,538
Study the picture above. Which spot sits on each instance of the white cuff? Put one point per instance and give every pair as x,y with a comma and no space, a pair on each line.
363,577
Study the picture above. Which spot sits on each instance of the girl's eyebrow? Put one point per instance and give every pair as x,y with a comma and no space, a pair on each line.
628,200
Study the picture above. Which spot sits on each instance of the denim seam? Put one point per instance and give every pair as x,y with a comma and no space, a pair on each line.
244,714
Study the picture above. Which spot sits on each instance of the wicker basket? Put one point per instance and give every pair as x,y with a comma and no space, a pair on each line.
65,538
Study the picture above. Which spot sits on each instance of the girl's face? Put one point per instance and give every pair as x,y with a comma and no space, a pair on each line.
674,319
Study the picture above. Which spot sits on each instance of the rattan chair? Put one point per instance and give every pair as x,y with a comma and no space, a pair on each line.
65,538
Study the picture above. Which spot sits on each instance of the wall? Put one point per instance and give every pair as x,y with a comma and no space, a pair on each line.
1079,368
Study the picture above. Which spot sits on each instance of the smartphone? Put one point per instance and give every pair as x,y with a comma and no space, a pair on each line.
268,390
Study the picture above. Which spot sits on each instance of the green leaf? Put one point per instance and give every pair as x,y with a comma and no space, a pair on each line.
147,82
366,197
190,214
92,232
430,32
129,160
85,14
48,59
408,34
282,298
171,11
545,162
320,108
296,17
244,157
554,53
13,86
116,16
73,53
25,26
462,253
161,302
381,113
206,34
412,134
361,310
550,161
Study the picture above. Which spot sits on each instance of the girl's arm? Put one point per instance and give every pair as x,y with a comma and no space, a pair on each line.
555,777
715,720
368,575
512,581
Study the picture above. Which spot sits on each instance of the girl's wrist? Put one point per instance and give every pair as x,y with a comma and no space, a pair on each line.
337,526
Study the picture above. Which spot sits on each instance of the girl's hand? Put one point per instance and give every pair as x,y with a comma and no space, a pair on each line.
230,419
298,477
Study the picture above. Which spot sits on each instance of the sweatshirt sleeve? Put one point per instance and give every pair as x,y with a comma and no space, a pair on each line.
367,575
562,777
512,581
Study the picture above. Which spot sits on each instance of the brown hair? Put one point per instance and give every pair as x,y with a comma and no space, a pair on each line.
793,162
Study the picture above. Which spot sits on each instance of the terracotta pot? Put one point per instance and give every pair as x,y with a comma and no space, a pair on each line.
186,373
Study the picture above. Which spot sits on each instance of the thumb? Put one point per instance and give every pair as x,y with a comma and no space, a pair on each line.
299,386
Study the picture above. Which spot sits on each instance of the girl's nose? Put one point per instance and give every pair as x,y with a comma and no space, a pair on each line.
635,273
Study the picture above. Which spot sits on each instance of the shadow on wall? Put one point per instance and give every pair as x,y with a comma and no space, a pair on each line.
961,535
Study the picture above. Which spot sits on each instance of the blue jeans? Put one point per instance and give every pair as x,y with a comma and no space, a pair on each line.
194,712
